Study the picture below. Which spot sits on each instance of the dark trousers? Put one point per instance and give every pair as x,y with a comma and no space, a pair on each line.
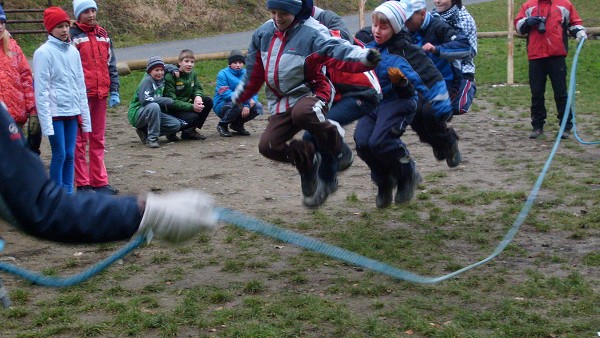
193,119
377,137
432,130
232,114
282,128
555,68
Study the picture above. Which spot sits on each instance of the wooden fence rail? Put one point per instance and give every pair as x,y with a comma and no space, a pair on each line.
12,22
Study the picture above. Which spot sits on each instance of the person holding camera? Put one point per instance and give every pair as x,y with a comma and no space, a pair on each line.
546,24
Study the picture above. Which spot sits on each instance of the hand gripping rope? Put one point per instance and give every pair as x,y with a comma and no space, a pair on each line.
255,225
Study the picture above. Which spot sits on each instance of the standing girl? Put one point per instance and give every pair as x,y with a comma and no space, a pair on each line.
60,95
17,85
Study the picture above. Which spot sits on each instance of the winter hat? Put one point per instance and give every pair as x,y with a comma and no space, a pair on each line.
236,55
289,6
413,6
2,15
153,62
80,6
54,16
396,13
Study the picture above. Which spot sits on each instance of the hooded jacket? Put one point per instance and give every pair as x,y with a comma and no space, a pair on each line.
227,80
289,62
16,84
59,84
561,19
98,60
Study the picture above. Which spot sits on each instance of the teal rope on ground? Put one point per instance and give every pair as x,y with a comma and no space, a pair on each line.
258,226
56,282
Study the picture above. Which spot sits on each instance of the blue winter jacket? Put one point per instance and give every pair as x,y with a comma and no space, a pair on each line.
227,80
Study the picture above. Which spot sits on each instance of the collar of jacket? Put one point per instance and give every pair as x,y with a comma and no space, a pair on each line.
59,43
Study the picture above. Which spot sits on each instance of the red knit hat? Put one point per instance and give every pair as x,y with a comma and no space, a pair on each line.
54,16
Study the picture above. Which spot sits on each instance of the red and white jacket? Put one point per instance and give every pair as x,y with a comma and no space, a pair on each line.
16,84
98,60
561,19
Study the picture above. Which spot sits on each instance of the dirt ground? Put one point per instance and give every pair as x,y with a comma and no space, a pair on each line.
234,172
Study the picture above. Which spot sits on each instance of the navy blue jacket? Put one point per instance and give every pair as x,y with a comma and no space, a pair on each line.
33,203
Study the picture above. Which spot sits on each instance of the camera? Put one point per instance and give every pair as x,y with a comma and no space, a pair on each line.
542,25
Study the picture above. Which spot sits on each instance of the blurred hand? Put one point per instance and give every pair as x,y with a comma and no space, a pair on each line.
33,125
178,216
581,34
245,112
114,100
533,21
397,77
428,47
373,57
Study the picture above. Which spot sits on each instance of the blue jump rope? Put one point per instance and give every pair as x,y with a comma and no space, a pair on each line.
255,225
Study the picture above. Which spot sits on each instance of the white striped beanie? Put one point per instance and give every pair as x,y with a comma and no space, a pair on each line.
396,13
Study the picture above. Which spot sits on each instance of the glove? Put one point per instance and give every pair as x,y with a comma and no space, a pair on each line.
178,216
115,99
397,77
582,34
533,21
400,84
373,57
33,125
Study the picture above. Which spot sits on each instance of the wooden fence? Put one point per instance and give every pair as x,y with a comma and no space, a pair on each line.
36,12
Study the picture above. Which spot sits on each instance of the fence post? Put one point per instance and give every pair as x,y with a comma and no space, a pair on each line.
510,66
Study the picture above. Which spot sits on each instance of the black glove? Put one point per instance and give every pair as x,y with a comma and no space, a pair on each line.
373,57
533,21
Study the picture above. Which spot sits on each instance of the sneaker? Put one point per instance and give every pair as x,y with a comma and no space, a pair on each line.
107,190
566,134
453,155
142,134
385,193
223,130
192,134
346,158
406,189
324,189
153,144
536,133
240,130
309,180
85,188
173,137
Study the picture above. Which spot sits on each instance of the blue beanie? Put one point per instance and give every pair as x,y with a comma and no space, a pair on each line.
2,15
289,6
80,6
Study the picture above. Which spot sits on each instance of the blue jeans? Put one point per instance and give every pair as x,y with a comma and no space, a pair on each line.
344,112
62,164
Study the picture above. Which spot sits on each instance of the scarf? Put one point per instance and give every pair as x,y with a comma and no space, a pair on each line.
451,16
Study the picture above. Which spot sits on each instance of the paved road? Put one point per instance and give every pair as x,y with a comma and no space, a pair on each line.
221,43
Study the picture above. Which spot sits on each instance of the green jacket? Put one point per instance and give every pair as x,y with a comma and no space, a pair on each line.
183,90
148,91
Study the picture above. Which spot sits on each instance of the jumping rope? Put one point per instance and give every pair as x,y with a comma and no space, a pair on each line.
255,225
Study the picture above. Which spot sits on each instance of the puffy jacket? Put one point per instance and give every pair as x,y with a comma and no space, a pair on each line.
59,85
450,48
561,19
289,63
98,60
399,52
16,84
34,203
183,90
227,80
148,91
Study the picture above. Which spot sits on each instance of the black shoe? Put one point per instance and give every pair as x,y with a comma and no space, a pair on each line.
223,130
240,130
192,134
453,155
537,132
85,188
173,137
309,180
346,158
324,189
406,188
107,190
142,134
439,154
385,193
565,134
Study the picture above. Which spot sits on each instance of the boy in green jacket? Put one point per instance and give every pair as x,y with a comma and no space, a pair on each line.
190,103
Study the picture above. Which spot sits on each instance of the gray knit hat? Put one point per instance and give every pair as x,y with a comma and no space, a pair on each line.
154,62
290,6
236,55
